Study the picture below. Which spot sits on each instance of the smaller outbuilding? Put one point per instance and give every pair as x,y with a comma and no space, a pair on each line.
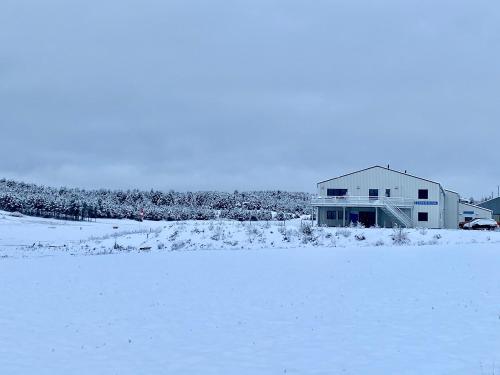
468,212
493,205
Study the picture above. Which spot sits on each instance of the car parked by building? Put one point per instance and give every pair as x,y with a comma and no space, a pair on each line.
476,224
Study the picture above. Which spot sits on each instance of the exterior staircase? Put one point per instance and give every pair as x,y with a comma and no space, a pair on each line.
397,213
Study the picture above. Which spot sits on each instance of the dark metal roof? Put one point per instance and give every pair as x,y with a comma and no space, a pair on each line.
492,204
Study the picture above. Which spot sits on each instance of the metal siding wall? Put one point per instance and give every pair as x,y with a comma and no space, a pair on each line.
451,217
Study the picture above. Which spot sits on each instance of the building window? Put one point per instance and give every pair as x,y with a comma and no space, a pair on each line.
423,194
467,219
373,193
388,193
336,192
423,216
331,215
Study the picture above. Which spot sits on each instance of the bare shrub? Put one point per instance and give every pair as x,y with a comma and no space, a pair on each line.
254,234
178,245
284,232
306,229
360,237
343,232
173,236
287,235
400,237
308,234
219,233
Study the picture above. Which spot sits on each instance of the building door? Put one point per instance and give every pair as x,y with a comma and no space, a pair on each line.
353,217
367,218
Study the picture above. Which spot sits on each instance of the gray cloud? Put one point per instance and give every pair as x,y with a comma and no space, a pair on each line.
195,95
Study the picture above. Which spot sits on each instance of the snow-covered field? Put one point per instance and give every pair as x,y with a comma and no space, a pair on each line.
29,236
320,302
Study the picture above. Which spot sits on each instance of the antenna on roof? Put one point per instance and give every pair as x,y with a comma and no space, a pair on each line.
388,166
405,171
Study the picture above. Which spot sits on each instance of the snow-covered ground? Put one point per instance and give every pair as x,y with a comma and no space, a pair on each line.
297,306
29,236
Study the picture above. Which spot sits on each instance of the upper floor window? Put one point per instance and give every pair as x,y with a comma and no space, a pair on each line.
423,194
373,193
388,193
336,192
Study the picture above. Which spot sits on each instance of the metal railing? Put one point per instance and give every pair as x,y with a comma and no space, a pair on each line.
365,200
395,211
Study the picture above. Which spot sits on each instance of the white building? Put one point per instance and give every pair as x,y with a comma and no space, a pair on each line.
468,212
379,196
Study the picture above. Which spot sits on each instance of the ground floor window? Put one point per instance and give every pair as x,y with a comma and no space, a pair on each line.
423,216
335,215
331,215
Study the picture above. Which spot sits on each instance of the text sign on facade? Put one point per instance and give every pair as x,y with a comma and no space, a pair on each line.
426,203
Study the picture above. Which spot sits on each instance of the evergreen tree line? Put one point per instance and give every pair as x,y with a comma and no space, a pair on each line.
81,204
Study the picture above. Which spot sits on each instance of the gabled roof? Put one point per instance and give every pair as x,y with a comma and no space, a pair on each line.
475,206
387,169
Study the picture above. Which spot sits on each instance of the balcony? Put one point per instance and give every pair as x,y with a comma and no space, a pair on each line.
354,201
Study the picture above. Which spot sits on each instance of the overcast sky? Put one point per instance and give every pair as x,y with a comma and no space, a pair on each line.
257,94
